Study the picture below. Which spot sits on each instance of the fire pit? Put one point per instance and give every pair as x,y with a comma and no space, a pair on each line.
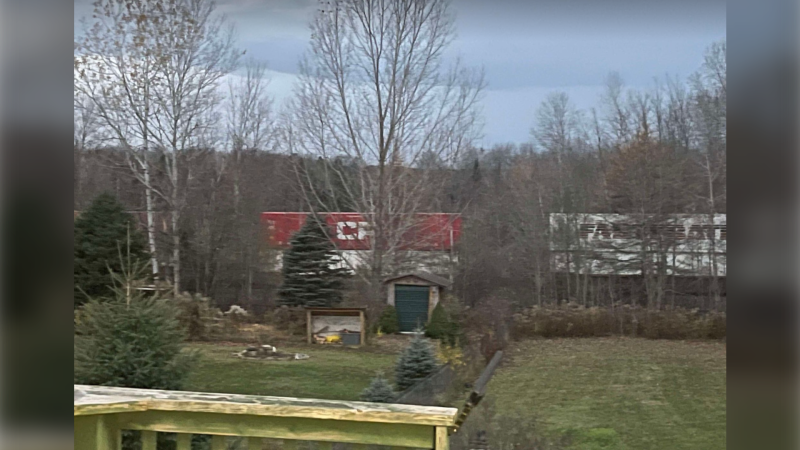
269,353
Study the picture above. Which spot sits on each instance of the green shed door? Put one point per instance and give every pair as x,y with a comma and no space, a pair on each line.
411,303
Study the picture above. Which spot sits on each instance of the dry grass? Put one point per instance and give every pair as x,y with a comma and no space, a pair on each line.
632,393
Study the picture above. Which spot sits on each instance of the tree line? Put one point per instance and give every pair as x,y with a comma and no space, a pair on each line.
379,123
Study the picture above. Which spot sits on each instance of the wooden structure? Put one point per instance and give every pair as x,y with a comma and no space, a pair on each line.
335,320
102,413
414,295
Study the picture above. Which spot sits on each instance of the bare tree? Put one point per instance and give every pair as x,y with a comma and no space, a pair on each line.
250,126
708,111
152,68
374,89
116,71
617,115
249,118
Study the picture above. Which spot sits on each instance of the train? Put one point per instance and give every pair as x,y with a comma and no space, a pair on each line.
428,242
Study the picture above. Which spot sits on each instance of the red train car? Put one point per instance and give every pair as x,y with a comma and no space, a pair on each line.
352,231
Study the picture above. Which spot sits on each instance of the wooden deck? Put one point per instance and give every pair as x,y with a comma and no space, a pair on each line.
102,413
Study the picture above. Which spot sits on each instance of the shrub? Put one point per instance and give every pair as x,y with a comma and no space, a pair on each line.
576,321
388,322
130,341
439,325
196,316
379,391
416,362
289,320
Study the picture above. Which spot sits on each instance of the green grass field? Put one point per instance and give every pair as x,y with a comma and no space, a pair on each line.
334,373
610,394
653,394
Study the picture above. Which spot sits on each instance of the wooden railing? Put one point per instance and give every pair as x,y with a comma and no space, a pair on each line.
102,414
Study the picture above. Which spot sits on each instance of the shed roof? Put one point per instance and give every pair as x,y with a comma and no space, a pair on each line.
427,276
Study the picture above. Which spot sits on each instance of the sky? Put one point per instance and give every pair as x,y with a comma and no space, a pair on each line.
528,49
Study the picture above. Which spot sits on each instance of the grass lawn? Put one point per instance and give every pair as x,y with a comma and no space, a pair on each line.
331,373
653,394
609,394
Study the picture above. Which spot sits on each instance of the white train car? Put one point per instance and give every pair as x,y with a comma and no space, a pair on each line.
686,245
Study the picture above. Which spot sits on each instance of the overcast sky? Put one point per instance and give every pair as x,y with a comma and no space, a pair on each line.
527,48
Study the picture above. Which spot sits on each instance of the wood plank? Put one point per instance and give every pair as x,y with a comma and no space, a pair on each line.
363,338
442,439
149,440
184,441
308,326
218,443
100,400
403,435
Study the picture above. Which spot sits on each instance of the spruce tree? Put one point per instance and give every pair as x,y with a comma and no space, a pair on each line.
309,278
102,234
417,361
379,391
389,322
130,339
439,325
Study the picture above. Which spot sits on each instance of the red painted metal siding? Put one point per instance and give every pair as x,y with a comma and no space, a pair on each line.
350,231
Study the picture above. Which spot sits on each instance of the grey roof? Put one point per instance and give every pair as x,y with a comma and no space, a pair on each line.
427,276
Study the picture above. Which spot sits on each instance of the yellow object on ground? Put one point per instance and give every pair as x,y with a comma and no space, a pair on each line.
333,338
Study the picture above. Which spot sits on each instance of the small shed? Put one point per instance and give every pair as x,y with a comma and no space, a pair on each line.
414,295
347,324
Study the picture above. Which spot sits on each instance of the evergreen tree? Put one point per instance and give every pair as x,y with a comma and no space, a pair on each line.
309,278
388,322
439,325
417,361
379,391
130,339
102,234
444,325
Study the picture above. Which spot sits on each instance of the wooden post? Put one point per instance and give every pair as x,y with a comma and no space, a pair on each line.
308,326
97,433
362,341
149,440
218,442
254,443
184,441
441,441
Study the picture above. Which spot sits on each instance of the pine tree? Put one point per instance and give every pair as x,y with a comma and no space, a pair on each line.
417,361
439,325
309,278
388,322
379,391
131,339
102,234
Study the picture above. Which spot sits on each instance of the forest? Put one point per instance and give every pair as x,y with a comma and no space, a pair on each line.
192,144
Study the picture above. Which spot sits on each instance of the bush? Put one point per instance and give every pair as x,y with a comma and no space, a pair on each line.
388,322
416,362
289,320
577,321
134,341
444,326
439,325
379,391
197,317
